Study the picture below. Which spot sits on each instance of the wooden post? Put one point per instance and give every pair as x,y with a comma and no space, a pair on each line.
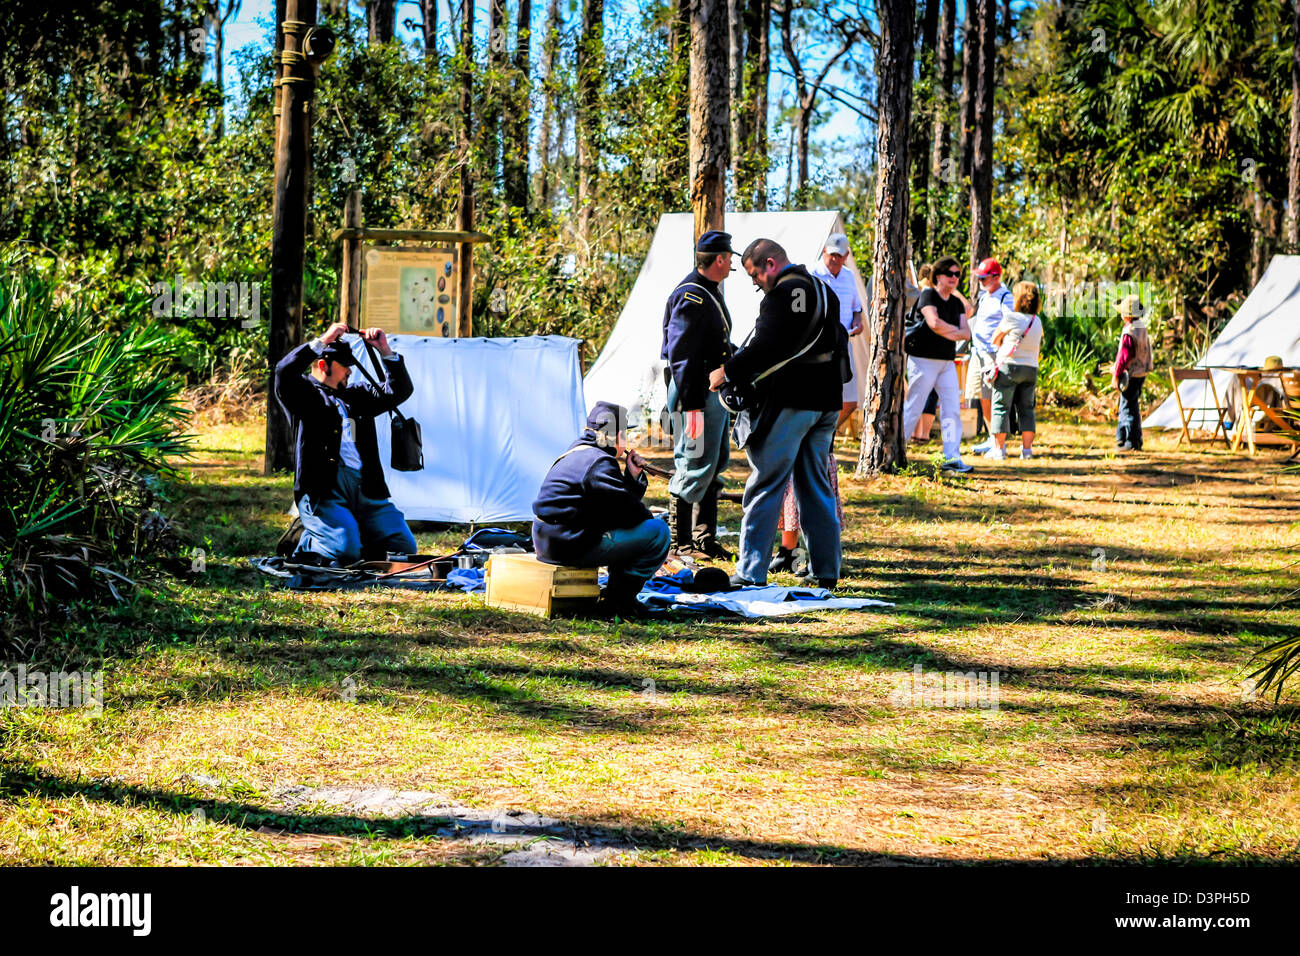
289,218
276,69
465,211
350,277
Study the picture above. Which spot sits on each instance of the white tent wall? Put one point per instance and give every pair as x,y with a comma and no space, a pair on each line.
1268,323
629,370
494,414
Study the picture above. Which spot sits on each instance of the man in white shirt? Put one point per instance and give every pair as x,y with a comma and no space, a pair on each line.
993,295
844,283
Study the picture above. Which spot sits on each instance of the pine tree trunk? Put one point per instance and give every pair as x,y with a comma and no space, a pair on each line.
750,159
1293,164
803,125
516,148
465,208
922,125
736,84
761,87
550,106
429,19
884,446
382,17
216,29
940,146
981,183
969,80
710,113
494,89
1258,236
591,57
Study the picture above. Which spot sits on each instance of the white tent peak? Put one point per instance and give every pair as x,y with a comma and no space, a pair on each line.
629,370
1268,323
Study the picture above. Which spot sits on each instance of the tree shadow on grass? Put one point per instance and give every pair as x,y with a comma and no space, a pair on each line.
21,781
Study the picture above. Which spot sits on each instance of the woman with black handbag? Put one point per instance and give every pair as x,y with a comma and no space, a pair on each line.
937,323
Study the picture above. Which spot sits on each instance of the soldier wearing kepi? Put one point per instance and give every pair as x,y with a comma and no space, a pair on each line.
697,339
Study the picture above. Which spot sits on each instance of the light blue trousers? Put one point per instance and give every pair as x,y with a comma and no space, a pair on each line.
797,444
632,555
699,463
344,524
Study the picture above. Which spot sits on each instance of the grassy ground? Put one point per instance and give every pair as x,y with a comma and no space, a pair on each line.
1118,599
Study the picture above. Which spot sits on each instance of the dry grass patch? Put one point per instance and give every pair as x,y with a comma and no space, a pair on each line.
1118,599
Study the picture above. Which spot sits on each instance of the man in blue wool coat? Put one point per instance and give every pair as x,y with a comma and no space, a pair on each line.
589,510
338,479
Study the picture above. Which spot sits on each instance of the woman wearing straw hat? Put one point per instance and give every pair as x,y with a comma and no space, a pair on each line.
1132,364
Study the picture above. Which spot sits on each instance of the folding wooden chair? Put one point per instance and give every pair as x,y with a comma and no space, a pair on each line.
1270,424
1208,391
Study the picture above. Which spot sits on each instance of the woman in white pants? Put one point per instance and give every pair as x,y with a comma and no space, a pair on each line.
931,349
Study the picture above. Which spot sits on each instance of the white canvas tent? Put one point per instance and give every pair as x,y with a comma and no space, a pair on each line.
493,413
629,370
1268,323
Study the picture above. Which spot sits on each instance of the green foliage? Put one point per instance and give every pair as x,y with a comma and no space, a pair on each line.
1139,136
88,417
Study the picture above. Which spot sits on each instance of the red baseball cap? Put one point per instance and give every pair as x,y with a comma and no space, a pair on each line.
989,267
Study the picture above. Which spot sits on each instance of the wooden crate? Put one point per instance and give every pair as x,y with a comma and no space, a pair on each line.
519,582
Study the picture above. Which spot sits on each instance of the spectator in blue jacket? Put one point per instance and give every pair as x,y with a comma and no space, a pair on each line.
993,298
590,513
338,481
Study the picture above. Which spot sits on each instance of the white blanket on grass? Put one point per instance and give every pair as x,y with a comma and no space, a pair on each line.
768,601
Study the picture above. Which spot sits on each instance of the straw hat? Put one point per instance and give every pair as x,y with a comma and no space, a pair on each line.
1273,362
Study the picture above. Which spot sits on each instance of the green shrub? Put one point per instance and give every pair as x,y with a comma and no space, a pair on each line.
88,417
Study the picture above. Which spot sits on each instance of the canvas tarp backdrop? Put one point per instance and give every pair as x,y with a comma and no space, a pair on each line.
494,413
1268,323
629,370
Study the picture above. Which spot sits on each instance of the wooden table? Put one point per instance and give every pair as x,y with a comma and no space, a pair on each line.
1250,379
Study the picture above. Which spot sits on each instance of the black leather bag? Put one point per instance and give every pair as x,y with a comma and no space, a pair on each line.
407,441
912,326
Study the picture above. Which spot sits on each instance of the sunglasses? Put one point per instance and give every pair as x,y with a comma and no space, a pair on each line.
951,274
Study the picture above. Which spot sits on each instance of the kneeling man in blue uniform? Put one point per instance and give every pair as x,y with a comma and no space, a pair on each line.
338,481
590,513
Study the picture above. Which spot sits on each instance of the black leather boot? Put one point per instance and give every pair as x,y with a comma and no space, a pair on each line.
783,562
680,540
706,526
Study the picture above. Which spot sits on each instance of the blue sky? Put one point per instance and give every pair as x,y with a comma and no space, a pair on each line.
843,134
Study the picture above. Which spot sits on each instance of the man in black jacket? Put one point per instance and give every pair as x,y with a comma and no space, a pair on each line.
338,481
793,359
589,511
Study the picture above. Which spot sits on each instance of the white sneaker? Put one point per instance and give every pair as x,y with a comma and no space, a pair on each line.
982,447
1026,453
996,454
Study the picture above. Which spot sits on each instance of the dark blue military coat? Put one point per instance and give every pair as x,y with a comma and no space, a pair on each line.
697,338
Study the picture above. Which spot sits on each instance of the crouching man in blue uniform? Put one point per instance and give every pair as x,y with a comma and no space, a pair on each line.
338,481
589,510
